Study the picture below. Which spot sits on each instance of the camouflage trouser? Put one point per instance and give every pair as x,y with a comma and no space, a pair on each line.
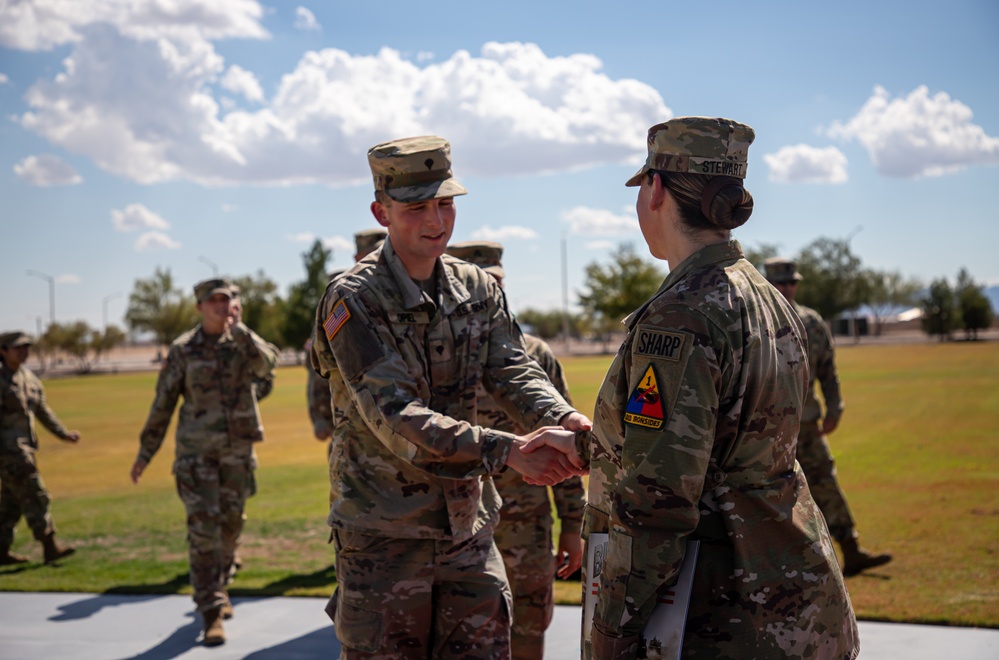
420,598
526,547
817,463
22,493
214,488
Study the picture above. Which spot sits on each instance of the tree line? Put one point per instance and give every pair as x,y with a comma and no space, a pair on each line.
836,282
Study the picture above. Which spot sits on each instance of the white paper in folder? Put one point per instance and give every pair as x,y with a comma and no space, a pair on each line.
663,634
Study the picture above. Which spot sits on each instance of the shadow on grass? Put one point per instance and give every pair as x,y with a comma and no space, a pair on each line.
171,586
324,577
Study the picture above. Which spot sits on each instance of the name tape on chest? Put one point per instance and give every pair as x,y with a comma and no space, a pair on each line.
645,405
659,344
336,319
412,317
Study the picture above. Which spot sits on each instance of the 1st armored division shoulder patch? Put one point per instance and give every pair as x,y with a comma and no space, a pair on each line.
645,405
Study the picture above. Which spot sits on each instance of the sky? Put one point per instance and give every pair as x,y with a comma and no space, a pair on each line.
205,136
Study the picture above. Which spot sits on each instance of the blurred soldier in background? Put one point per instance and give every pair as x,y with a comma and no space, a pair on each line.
22,492
317,388
213,367
813,453
524,532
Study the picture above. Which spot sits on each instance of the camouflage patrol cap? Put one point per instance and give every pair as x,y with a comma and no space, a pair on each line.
698,145
487,255
414,169
368,240
207,288
780,270
15,339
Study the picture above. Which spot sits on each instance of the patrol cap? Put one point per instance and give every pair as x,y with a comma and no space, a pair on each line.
414,169
208,288
698,145
15,339
487,255
780,270
368,240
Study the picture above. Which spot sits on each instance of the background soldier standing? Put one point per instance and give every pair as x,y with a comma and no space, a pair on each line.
317,388
213,367
524,532
813,453
404,337
22,492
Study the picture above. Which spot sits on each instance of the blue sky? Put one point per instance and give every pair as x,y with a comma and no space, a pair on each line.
183,134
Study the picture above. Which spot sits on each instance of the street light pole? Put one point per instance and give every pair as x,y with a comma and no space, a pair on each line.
51,281
104,307
565,293
211,264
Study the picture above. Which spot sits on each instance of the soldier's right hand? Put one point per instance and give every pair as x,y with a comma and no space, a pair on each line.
545,457
137,469
558,438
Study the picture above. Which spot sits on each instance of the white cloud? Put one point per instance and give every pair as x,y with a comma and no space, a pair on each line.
515,232
145,110
155,239
424,56
68,278
600,245
229,208
306,20
136,216
4,79
918,135
45,24
240,81
47,170
803,163
301,237
339,244
599,222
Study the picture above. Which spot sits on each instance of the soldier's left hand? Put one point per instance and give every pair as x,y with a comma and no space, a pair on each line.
576,421
829,425
74,437
570,554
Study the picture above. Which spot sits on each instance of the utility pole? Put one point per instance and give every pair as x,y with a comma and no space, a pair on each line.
104,307
211,264
51,281
565,293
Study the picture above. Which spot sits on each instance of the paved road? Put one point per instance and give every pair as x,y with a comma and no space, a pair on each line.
99,627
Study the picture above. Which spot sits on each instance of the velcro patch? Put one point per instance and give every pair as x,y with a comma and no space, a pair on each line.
412,317
658,344
645,405
336,319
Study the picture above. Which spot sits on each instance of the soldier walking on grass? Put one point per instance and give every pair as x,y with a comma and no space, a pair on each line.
813,453
22,399
214,368
524,532
404,338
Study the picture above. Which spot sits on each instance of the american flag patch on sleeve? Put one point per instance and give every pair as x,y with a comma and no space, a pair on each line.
336,319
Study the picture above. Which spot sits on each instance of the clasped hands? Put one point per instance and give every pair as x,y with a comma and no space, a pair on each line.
547,456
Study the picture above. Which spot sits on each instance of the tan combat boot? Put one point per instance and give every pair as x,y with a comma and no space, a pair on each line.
227,608
214,633
8,558
856,560
55,550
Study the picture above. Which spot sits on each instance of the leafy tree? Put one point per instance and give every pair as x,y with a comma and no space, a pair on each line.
941,313
834,280
975,307
618,289
759,254
156,305
887,291
263,309
83,343
303,297
548,325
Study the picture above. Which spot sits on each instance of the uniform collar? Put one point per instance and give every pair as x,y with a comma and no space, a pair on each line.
709,254
453,292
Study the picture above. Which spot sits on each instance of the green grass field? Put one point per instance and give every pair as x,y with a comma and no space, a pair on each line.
916,453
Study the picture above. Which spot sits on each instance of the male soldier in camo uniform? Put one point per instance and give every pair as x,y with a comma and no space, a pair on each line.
213,367
317,389
22,492
695,432
404,338
524,532
813,452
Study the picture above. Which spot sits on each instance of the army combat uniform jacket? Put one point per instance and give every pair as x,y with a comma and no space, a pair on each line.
821,367
409,460
220,405
22,399
694,438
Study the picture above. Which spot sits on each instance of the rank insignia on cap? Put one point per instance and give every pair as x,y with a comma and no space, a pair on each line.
336,319
645,406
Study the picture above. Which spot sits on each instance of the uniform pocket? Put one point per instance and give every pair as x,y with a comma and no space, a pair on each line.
357,629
